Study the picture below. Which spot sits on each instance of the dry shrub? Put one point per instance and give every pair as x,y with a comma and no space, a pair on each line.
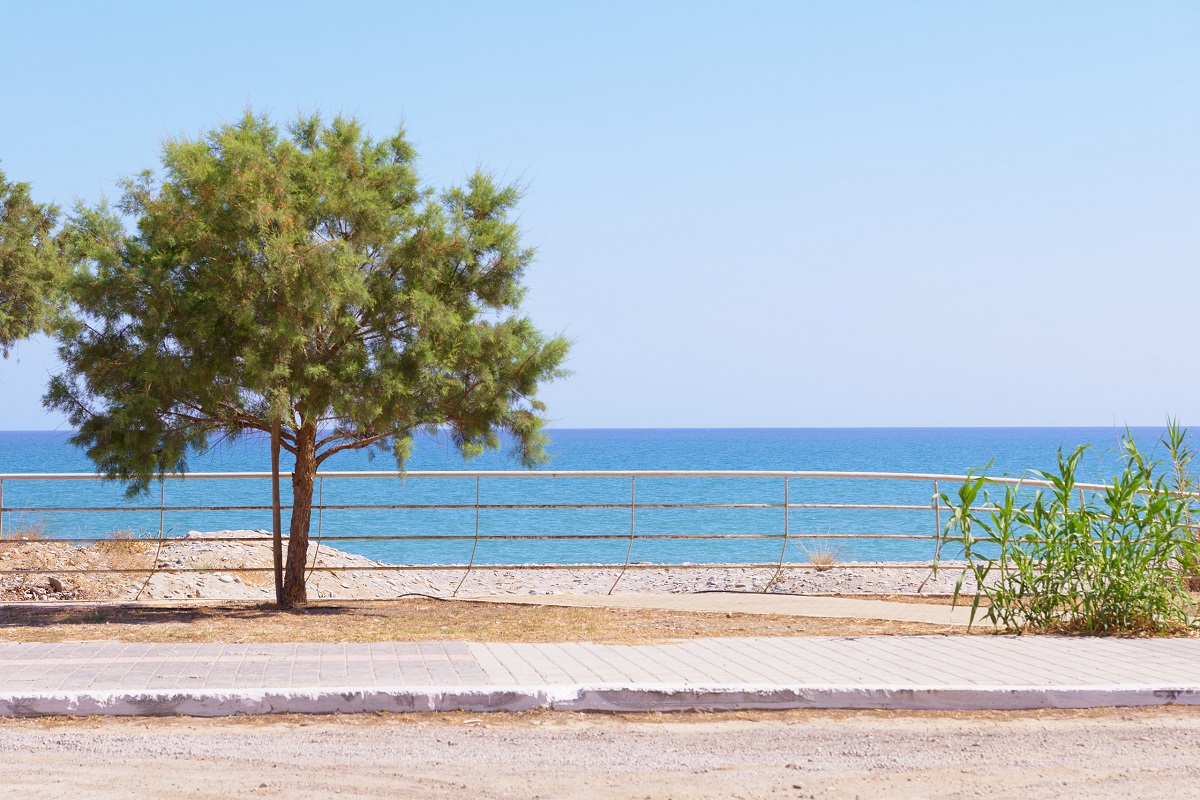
126,549
24,530
822,554
27,546
24,546
125,542
256,578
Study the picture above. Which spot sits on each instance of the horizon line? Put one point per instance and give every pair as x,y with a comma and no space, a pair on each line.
765,428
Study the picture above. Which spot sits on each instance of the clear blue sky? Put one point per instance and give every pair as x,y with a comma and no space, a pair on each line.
747,214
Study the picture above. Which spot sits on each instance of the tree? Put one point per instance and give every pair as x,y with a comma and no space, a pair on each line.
305,279
29,264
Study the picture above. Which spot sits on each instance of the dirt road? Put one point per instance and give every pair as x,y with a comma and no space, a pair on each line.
1112,753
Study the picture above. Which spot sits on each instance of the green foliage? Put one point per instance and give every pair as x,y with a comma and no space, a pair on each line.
306,277
1113,562
30,269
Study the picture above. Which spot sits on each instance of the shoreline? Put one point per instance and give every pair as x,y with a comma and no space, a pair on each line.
224,573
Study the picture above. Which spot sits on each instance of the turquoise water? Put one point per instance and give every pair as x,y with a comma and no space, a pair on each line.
923,450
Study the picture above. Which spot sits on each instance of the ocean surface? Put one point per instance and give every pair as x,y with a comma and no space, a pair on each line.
1009,451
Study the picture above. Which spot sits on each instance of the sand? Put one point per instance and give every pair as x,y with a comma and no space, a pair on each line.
1117,753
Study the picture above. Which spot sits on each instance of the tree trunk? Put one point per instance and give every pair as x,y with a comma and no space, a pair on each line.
294,591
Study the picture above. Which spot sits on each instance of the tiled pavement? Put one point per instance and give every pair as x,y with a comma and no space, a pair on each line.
876,672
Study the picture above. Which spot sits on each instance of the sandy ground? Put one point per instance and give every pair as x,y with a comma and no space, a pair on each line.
418,620
1120,753
225,570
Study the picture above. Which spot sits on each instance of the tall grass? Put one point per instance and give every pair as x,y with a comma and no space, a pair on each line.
1111,562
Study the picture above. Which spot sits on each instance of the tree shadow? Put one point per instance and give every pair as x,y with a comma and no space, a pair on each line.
16,615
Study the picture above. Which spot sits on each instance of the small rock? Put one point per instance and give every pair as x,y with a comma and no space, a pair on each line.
55,583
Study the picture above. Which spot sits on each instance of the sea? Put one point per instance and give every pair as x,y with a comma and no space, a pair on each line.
754,513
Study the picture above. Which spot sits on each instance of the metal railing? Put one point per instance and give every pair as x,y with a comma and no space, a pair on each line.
784,503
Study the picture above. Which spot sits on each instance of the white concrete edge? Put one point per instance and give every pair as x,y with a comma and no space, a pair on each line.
595,697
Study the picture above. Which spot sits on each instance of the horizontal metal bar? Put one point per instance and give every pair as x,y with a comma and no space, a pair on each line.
133,509
471,506
888,507
436,537
486,567
534,506
396,507
507,474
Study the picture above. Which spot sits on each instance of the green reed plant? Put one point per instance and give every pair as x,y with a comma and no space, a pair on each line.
1079,562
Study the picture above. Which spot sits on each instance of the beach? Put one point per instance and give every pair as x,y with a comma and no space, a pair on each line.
228,569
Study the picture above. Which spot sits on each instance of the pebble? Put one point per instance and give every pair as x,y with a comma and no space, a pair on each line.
183,554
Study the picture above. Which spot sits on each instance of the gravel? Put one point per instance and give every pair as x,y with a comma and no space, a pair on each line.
224,573
1111,753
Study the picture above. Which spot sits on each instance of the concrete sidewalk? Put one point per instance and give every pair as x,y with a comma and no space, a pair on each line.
892,672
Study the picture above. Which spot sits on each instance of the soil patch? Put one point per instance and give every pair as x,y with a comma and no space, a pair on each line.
417,619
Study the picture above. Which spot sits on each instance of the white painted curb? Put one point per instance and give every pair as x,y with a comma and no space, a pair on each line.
578,697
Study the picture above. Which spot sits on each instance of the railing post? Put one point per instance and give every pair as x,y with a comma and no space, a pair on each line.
632,517
937,514
782,550
162,528
474,545
1,509
320,525
937,533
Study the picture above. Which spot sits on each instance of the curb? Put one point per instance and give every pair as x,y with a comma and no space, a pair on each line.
609,698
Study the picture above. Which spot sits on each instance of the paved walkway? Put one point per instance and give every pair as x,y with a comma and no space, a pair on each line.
747,603
872,672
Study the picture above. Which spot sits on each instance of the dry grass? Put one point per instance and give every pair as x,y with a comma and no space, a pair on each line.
24,530
416,620
22,542
547,719
125,542
255,578
823,555
24,548
124,549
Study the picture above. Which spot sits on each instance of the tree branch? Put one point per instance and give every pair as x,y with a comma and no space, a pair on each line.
357,444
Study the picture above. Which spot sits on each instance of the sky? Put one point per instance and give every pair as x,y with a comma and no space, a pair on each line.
751,214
